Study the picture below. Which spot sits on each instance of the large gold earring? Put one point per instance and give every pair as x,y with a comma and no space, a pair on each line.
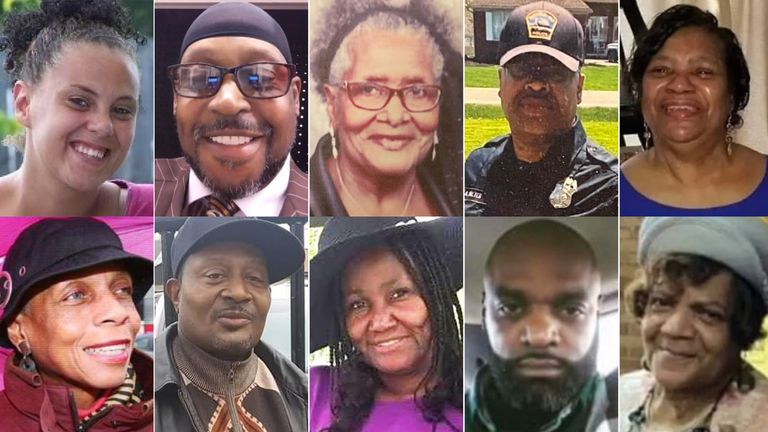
729,135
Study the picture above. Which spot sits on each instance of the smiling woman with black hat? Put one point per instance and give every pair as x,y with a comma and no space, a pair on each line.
70,292
700,301
383,299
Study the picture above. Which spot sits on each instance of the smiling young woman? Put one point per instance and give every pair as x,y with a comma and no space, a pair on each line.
76,93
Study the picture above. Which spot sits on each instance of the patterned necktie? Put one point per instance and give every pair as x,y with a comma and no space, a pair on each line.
212,206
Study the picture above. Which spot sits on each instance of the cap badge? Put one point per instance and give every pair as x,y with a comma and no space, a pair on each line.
541,25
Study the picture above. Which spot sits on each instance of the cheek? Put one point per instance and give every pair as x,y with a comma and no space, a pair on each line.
353,119
356,326
426,122
649,328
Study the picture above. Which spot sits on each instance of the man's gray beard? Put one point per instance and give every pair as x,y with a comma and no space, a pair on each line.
250,186
542,394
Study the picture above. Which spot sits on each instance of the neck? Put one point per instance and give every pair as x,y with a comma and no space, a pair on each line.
531,147
691,162
43,195
681,408
211,373
400,387
364,194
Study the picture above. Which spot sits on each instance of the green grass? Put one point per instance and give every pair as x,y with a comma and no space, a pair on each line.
596,77
484,122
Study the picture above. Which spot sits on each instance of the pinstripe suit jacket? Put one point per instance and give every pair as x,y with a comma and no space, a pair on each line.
172,178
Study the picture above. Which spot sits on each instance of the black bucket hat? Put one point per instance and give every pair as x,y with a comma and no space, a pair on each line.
343,238
282,251
56,246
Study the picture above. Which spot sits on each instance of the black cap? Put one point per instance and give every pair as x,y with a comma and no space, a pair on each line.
55,246
282,251
545,28
237,18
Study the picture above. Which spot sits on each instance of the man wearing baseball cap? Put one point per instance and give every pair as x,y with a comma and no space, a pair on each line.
546,166
236,106
213,372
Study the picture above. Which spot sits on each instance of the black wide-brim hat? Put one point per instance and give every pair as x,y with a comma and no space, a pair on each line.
343,238
57,246
282,251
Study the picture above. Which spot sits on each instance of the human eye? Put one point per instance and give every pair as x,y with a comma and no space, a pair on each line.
124,290
659,70
574,310
705,72
78,102
400,293
508,309
74,296
356,305
660,303
214,276
124,111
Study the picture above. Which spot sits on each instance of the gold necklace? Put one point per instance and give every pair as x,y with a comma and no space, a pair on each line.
352,197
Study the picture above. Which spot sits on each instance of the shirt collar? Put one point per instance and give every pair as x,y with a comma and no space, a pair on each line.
266,202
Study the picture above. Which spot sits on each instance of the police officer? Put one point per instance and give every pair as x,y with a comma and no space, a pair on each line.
546,166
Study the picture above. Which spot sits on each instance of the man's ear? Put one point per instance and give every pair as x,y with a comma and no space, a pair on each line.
173,291
21,102
295,90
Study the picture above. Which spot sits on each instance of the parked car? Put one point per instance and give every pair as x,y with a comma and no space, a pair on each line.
612,52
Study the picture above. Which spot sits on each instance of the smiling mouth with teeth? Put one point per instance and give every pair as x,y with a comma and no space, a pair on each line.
91,152
232,140
108,351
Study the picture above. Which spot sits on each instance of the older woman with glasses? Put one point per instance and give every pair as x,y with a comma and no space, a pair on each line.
391,82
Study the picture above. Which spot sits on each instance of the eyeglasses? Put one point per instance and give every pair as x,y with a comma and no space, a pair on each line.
554,73
373,97
261,80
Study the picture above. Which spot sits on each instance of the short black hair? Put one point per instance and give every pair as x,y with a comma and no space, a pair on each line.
668,23
33,38
749,308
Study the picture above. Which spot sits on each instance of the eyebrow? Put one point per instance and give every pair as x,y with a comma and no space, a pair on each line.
90,91
699,59
573,293
406,81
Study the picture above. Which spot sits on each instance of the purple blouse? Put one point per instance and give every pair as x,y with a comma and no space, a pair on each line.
385,416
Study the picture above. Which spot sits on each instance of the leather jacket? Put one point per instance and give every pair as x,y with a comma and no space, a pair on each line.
497,184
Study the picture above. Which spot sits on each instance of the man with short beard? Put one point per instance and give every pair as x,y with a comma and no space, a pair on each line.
546,165
236,104
540,307
212,370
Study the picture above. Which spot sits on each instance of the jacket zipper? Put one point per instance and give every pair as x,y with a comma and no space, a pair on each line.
230,397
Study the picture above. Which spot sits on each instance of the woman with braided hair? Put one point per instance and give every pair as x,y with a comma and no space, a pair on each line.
383,300
76,92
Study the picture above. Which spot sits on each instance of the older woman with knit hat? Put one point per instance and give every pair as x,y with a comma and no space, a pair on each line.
700,301
69,292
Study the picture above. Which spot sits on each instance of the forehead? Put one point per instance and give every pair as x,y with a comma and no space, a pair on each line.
89,275
537,269
231,51
373,268
94,66
391,55
692,42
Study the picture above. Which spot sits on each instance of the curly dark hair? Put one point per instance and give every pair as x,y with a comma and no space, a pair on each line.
668,23
343,16
33,38
749,308
354,382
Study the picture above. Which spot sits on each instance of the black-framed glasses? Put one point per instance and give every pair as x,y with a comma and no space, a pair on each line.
262,80
373,97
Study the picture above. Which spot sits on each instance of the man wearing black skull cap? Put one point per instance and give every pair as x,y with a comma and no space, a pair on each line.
546,166
236,104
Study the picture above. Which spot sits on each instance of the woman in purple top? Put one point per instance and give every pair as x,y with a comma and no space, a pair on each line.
383,300
76,93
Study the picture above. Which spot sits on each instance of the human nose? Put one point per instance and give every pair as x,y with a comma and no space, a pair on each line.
678,324
536,84
395,112
100,123
541,329
382,319
229,100
237,290
680,82
112,310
